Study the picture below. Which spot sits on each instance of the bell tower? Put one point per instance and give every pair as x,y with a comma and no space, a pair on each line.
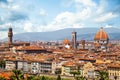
74,45
10,35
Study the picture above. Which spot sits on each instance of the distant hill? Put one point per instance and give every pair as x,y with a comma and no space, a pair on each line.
82,33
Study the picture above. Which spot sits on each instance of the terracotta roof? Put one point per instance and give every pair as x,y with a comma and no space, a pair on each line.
97,45
29,48
114,65
69,63
18,43
66,41
100,66
109,45
6,75
67,55
88,59
101,35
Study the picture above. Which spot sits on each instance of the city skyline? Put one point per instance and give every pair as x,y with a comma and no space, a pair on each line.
50,15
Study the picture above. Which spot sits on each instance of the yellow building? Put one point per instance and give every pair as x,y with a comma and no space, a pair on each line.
102,61
67,67
114,71
88,70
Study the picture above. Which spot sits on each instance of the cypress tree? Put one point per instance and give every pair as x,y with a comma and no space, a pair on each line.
43,78
59,77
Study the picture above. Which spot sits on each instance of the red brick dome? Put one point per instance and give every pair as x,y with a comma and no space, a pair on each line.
101,35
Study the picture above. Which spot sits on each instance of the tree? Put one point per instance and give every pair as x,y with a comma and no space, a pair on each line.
58,71
17,75
2,78
2,64
59,77
79,78
75,73
31,78
43,78
103,75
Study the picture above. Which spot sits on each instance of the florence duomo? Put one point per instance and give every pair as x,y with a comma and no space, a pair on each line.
101,39
59,40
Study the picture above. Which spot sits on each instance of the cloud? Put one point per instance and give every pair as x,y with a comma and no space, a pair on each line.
4,30
15,7
15,16
66,3
105,17
29,16
86,2
3,34
67,17
5,26
78,25
101,7
78,18
66,20
108,26
1,20
28,27
72,17
9,1
3,1
3,5
116,10
43,12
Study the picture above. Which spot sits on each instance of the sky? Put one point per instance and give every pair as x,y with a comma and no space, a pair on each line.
49,15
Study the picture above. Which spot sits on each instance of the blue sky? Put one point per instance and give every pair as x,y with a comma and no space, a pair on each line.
50,15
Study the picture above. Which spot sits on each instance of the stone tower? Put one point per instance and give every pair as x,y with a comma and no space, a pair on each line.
74,45
10,35
83,44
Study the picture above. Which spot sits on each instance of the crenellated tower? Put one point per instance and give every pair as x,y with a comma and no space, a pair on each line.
10,35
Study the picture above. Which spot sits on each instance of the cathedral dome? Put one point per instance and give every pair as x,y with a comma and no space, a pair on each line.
101,35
